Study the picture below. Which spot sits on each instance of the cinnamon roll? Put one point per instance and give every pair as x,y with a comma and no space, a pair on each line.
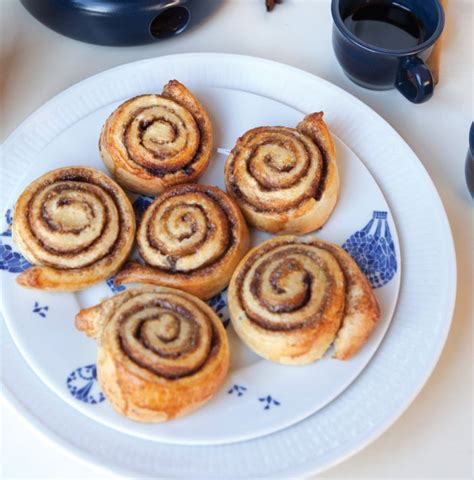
162,353
151,142
191,237
290,298
75,225
285,180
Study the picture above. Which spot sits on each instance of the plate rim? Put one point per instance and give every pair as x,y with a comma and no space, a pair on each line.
451,274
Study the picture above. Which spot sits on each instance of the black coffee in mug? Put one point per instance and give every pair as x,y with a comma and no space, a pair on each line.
385,26
383,44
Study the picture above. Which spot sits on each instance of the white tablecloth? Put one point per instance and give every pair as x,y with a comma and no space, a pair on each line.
433,438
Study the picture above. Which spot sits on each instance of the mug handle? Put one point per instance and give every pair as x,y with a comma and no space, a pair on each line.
414,80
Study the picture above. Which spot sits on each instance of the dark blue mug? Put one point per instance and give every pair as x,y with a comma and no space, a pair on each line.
381,68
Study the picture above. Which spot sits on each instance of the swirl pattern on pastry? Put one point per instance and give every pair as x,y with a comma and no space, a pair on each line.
76,226
151,142
162,352
291,298
285,180
191,237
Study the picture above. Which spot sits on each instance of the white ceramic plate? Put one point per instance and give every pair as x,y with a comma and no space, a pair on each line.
64,132
262,396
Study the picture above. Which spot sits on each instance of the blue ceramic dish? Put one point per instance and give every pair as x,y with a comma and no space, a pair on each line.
114,22
380,68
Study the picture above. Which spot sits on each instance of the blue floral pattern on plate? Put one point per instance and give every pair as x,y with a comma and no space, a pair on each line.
140,204
83,385
238,389
113,286
269,402
10,260
8,220
373,250
219,305
40,310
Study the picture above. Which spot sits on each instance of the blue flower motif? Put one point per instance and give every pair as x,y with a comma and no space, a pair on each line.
374,251
269,401
239,389
113,286
12,261
140,204
41,311
8,220
82,384
219,305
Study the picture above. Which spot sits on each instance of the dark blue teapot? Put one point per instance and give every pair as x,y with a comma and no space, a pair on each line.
118,22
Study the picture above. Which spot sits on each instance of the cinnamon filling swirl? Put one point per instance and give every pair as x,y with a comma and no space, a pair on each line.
73,224
191,237
285,180
74,219
162,352
286,288
162,137
185,232
154,141
274,169
168,335
290,298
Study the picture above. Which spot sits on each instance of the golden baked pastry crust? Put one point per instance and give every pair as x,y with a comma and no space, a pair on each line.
191,237
290,298
76,225
162,353
151,142
285,180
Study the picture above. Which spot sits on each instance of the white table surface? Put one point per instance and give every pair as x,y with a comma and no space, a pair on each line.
433,439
